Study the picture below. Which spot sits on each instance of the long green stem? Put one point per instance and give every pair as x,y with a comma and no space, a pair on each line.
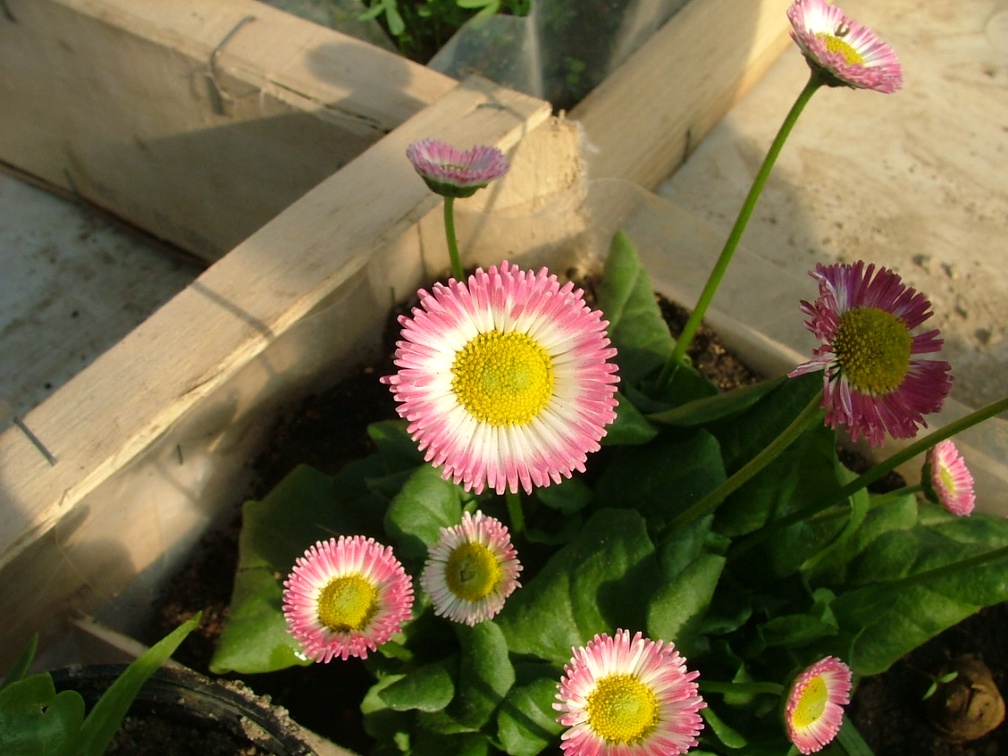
768,454
721,266
453,251
515,514
753,688
870,476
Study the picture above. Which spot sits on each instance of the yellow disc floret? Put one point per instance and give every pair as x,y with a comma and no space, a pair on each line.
873,348
622,709
503,378
835,44
348,603
472,572
812,704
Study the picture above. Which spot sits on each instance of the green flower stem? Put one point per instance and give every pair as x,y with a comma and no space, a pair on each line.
754,688
453,251
962,566
710,502
721,266
515,514
921,445
864,480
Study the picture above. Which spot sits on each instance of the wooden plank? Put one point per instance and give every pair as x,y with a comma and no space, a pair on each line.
643,121
197,121
190,351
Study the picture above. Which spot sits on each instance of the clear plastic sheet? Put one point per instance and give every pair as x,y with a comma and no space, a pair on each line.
558,53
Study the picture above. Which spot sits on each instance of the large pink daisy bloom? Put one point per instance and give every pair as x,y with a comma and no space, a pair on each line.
628,696
346,597
875,380
451,172
471,570
505,379
947,480
813,713
842,51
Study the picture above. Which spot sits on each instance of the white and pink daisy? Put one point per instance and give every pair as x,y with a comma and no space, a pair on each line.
813,713
506,379
471,570
346,597
842,51
451,172
875,377
946,479
623,696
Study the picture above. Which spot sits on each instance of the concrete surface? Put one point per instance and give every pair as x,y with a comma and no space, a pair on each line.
916,180
71,286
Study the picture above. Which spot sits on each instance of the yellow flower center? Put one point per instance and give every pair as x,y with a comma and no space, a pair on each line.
835,44
503,378
348,603
622,709
948,482
811,705
472,572
873,349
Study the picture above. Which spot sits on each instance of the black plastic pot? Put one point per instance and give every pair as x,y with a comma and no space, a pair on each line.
181,712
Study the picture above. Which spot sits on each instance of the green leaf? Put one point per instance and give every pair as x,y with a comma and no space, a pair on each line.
643,478
428,688
718,407
680,604
630,427
599,582
636,326
35,720
305,507
22,664
485,674
526,723
107,714
426,503
567,497
930,577
730,737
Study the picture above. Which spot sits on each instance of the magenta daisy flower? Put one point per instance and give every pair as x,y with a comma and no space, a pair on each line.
628,696
506,379
843,52
451,172
875,379
813,713
471,570
947,480
346,597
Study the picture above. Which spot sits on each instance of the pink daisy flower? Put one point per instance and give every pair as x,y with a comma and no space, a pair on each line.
505,379
813,713
451,172
875,380
628,696
947,480
471,570
842,51
346,597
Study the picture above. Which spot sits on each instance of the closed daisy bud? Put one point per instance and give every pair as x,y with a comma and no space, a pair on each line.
946,479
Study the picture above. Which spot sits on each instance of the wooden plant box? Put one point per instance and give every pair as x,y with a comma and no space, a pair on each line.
280,144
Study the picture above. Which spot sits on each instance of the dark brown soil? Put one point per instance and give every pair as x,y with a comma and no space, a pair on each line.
329,430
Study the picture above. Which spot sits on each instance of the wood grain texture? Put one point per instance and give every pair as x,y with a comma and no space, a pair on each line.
645,118
196,121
